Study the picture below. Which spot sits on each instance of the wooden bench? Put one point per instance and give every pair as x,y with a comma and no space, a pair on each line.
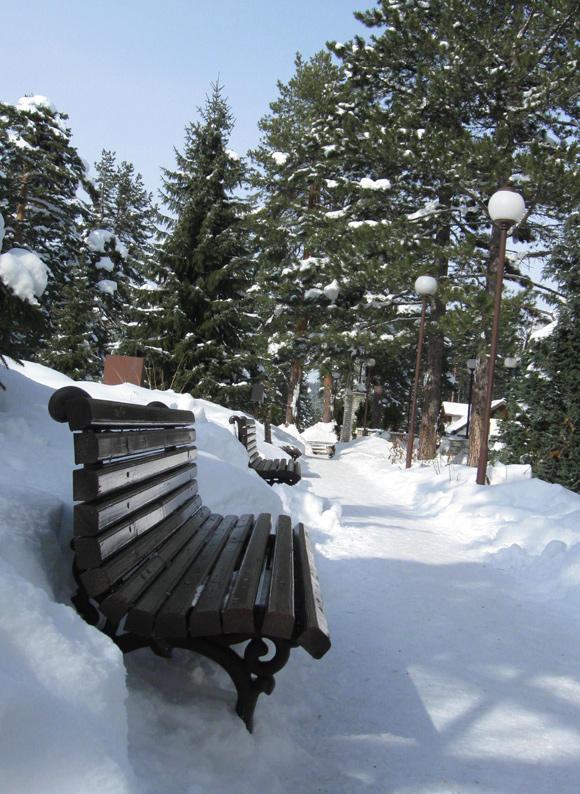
324,448
155,568
279,470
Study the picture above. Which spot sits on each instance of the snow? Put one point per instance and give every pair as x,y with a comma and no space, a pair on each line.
33,104
107,286
280,157
321,431
25,273
105,263
453,610
372,184
98,238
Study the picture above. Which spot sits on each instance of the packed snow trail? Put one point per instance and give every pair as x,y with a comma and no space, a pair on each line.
443,678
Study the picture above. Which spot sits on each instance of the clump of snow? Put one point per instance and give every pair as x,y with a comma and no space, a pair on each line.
107,286
374,184
25,273
105,263
280,157
98,238
35,103
331,291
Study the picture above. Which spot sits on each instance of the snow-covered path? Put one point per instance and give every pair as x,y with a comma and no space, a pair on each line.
448,679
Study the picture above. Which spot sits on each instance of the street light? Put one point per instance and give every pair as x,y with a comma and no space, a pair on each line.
369,364
511,363
424,286
506,207
471,366
335,379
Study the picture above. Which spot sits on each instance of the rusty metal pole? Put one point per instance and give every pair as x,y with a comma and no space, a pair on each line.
411,437
483,450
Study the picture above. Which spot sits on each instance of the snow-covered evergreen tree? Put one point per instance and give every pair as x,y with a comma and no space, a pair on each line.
42,174
544,427
449,101
197,332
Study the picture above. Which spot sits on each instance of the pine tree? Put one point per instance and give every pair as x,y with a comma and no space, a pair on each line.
122,207
450,99
544,424
198,330
302,280
42,176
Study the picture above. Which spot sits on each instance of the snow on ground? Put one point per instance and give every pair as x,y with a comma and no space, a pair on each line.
453,611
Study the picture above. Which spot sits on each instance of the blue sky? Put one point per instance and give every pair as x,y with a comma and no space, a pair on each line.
130,74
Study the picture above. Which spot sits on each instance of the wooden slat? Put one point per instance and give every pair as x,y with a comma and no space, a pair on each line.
175,579
238,615
91,551
92,447
118,603
280,617
97,581
90,483
172,619
90,518
205,619
313,633
85,413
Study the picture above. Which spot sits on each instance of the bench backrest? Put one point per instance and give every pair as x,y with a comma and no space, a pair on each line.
247,435
137,486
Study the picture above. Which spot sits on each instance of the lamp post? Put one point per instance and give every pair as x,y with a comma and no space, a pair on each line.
471,366
505,208
369,364
424,286
335,378
511,363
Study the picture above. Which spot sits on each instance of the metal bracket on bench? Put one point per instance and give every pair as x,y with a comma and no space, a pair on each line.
249,674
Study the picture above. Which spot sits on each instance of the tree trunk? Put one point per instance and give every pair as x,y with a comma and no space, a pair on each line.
377,409
482,372
432,388
434,342
327,414
21,208
295,379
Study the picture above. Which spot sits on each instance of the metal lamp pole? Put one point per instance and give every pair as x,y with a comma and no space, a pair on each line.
368,366
505,207
424,286
471,366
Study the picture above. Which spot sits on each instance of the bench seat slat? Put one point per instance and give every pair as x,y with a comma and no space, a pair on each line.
206,617
91,551
142,617
92,447
313,633
279,618
116,605
90,518
172,620
91,482
238,615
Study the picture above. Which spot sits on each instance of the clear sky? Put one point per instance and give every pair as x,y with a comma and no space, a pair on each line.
130,74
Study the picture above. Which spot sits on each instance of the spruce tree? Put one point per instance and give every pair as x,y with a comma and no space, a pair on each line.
450,100
42,174
198,330
544,425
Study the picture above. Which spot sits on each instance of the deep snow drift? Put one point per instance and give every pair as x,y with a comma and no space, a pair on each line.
453,610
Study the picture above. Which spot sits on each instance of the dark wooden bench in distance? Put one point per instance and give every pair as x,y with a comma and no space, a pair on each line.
280,470
155,568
